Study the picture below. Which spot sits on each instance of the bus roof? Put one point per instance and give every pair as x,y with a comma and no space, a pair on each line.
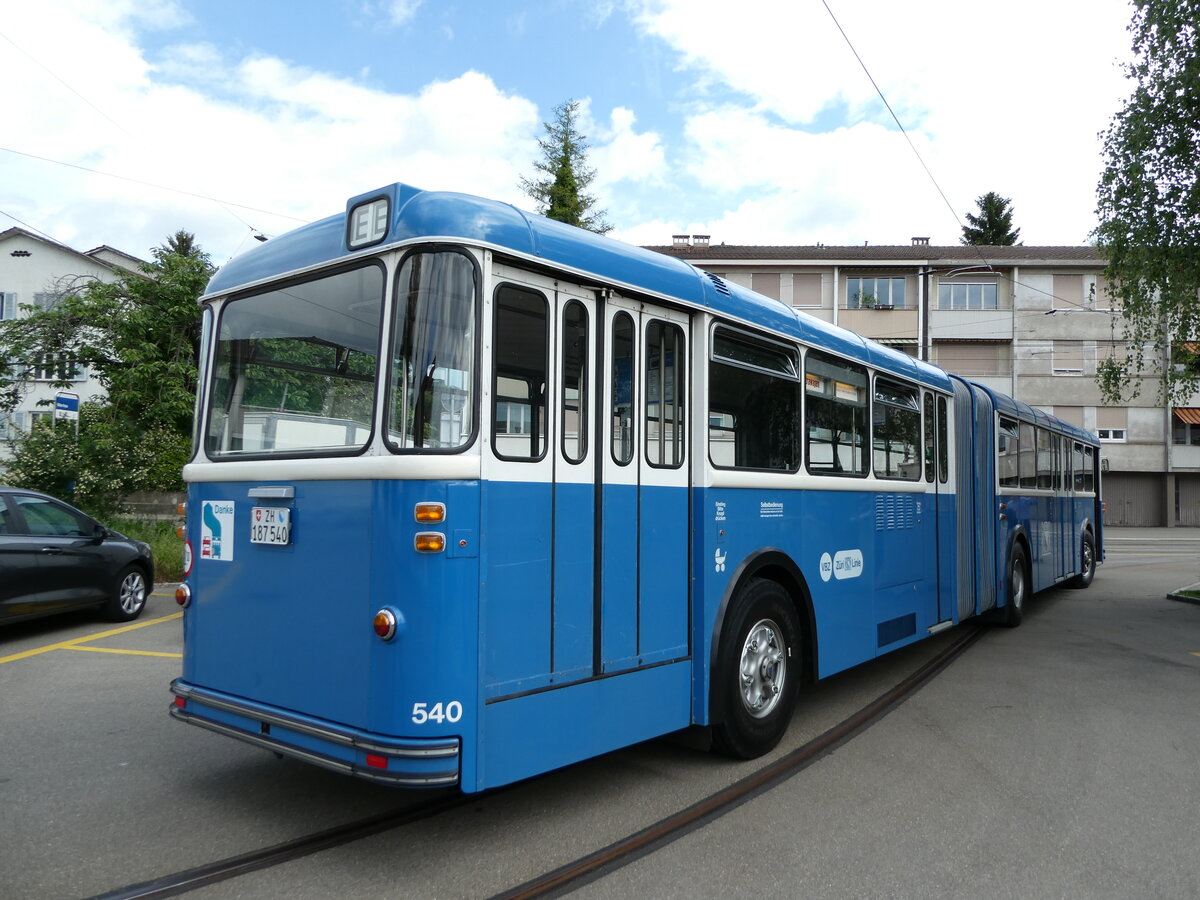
441,216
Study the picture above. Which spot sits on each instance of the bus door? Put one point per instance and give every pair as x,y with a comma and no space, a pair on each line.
1066,518
538,590
642,617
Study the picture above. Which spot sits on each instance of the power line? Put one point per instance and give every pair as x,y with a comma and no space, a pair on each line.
899,124
161,187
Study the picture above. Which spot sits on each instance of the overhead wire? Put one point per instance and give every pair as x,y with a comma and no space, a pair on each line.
929,172
225,205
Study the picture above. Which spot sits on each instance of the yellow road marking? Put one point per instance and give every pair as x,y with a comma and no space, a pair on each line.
126,652
75,642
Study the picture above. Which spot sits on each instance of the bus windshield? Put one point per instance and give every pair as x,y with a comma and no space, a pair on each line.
295,368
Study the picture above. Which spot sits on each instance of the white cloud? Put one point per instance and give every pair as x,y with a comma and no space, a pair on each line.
619,153
257,130
401,12
1007,98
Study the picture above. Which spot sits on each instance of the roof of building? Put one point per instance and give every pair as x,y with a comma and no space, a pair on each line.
867,253
106,256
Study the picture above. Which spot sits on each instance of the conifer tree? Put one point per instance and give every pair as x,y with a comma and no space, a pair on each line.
993,226
561,192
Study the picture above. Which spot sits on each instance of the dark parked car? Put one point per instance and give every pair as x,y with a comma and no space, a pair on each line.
53,558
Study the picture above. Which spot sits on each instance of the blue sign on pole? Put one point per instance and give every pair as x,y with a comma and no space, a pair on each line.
66,405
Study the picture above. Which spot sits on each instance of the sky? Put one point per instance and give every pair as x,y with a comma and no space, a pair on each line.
751,121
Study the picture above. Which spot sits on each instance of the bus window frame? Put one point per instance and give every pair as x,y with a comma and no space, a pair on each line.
583,396
793,355
914,391
678,440
864,448
381,366
548,318
390,353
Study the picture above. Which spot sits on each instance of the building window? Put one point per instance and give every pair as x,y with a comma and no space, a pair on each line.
60,367
765,283
1114,435
1068,293
1068,358
806,289
875,293
979,359
1185,428
48,301
8,305
967,295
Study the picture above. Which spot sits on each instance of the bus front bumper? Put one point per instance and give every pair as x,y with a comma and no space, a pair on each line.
403,762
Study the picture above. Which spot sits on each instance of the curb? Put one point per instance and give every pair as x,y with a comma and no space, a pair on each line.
1183,598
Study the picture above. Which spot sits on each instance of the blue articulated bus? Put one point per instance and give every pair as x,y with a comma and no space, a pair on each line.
477,495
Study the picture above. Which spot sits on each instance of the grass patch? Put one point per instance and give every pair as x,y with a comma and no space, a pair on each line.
1191,595
160,535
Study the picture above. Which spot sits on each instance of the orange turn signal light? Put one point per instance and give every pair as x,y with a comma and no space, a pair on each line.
429,542
430,513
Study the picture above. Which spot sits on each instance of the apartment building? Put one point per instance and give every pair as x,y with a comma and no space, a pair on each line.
37,272
1032,322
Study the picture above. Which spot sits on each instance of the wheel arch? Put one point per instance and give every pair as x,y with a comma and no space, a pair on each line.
772,564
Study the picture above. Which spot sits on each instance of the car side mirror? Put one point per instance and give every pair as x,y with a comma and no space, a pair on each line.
99,533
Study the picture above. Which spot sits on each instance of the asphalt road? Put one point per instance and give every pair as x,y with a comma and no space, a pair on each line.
1060,759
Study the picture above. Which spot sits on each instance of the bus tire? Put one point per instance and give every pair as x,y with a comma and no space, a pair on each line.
1018,586
758,670
128,597
1087,559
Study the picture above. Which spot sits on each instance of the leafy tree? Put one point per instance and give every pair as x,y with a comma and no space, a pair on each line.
139,335
993,226
562,191
1149,204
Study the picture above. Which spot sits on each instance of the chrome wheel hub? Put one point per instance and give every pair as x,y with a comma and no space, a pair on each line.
763,670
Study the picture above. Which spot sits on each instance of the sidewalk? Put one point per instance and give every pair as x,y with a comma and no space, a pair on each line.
1119,534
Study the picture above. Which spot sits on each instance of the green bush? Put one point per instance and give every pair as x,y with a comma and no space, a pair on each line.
99,466
164,542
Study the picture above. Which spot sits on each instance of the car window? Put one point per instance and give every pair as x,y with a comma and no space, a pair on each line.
45,517
7,525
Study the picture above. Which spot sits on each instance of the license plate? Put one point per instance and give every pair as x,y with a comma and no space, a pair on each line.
270,525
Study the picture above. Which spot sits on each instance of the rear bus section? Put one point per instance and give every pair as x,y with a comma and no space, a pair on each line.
331,603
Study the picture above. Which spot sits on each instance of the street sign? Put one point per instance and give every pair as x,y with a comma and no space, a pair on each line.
66,406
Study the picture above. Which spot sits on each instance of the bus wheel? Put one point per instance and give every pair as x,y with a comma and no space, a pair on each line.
758,670
1087,559
1018,586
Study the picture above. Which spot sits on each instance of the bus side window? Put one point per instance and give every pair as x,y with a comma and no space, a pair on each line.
574,382
1007,449
943,417
621,417
1028,457
521,351
895,431
1045,459
836,416
753,403
930,439
664,395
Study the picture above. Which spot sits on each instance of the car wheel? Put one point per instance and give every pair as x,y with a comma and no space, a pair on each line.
1087,559
1018,586
758,670
129,596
